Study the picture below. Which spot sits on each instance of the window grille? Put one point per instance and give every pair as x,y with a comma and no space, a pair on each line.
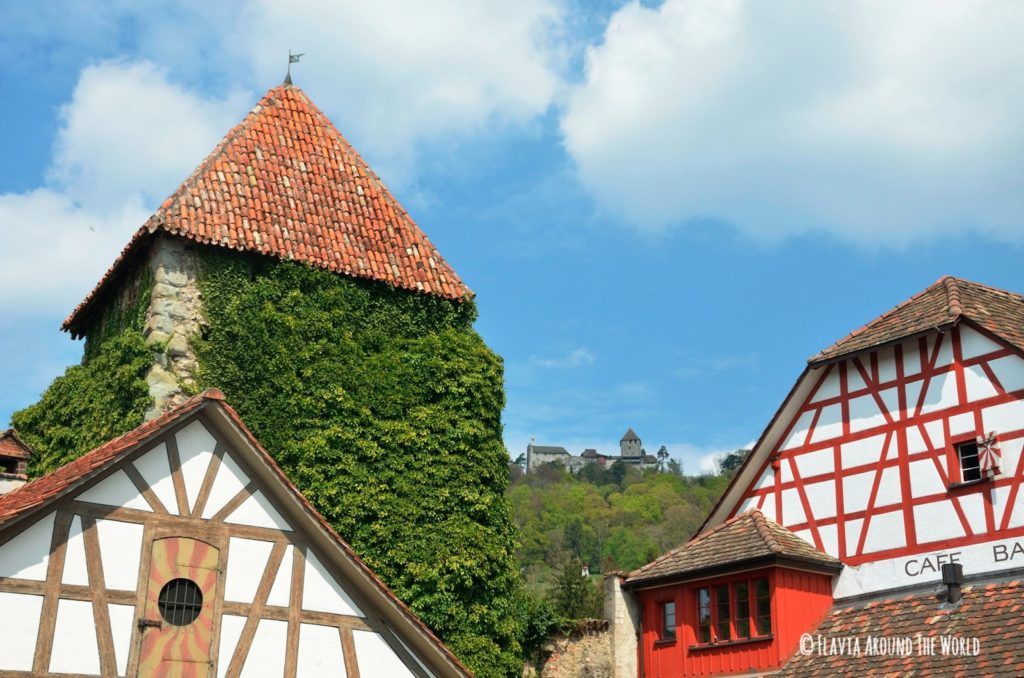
180,602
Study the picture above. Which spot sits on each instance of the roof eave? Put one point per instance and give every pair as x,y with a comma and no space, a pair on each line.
757,562
815,361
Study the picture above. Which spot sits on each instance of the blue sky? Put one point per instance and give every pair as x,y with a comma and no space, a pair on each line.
663,208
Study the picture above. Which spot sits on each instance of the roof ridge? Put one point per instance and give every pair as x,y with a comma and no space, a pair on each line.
868,325
216,153
953,306
765,531
700,537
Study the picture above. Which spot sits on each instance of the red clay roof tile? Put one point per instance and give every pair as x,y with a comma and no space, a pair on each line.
742,538
944,303
13,446
285,183
989,612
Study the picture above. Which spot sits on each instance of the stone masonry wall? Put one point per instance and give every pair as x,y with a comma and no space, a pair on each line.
174,316
584,653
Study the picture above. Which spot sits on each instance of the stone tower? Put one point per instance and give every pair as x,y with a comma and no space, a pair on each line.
283,183
630,445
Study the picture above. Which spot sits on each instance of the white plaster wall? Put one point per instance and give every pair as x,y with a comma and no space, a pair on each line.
893,572
230,631
853,528
792,507
978,384
822,498
854,382
75,570
376,658
1006,417
247,559
116,489
829,424
829,539
122,624
885,531
155,469
19,619
936,434
945,356
864,414
924,479
857,491
229,481
258,512
936,521
828,388
798,433
941,393
320,652
974,344
815,463
321,593
911,359
279,592
120,548
1009,371
27,555
266,656
195,449
74,639
768,506
860,452
973,506
886,365
960,424
912,390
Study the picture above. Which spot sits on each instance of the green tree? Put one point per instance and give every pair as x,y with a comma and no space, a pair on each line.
575,596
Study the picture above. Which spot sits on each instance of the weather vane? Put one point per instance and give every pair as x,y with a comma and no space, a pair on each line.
292,59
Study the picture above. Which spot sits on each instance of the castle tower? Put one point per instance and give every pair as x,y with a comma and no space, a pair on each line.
630,445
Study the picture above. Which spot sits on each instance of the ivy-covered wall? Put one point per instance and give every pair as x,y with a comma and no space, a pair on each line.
383,406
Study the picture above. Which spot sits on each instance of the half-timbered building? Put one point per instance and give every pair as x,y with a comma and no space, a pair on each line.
897,452
181,549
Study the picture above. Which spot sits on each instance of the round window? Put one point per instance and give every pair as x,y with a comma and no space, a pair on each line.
180,602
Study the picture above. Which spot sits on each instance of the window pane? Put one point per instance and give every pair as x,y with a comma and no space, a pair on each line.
668,620
763,609
703,615
969,467
742,619
722,616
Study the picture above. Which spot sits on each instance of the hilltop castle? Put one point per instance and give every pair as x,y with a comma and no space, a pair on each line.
631,452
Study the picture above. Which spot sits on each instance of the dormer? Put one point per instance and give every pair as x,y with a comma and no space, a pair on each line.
731,600
14,456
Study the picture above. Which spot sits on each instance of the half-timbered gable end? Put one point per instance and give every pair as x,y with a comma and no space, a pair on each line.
897,452
181,549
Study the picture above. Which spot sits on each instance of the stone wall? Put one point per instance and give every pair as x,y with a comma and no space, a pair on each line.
173,318
623,616
583,653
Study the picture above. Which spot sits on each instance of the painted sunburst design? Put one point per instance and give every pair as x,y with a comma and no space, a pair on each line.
180,650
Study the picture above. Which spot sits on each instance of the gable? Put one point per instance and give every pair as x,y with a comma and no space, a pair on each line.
84,562
864,462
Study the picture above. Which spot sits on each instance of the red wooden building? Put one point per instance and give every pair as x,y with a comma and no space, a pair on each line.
897,451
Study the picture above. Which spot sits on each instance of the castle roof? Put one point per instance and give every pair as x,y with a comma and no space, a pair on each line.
630,434
285,183
941,305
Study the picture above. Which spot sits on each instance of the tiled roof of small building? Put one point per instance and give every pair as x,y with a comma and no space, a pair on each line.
989,612
748,536
285,183
13,446
940,305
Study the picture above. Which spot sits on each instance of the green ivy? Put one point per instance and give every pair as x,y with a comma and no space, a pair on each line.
89,404
384,407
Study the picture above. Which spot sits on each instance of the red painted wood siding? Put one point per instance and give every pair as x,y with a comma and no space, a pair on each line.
799,601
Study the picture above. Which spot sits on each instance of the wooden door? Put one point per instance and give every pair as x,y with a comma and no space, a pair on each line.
176,627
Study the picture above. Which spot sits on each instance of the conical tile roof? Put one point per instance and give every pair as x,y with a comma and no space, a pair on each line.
285,183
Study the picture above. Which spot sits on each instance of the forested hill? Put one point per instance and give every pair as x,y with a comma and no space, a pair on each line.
606,518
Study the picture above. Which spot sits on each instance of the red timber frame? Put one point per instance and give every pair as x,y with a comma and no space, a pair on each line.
911,391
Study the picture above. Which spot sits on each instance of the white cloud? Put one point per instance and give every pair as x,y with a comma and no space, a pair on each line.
395,73
128,130
577,357
878,122
128,136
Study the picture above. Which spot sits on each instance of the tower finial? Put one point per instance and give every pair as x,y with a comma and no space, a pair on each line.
292,59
